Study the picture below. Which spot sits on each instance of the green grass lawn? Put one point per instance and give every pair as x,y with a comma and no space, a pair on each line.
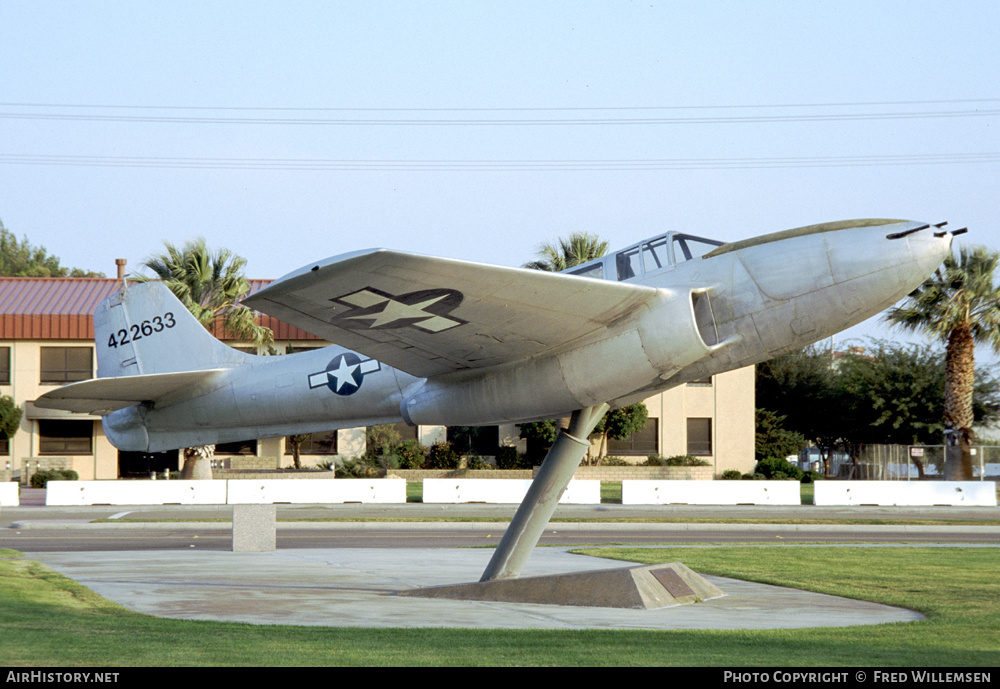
49,620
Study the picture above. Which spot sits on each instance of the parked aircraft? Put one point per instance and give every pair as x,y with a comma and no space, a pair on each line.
434,341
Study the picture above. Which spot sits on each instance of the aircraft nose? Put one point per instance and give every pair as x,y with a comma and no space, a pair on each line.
902,254
928,244
816,281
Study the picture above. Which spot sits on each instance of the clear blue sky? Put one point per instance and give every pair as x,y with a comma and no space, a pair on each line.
724,119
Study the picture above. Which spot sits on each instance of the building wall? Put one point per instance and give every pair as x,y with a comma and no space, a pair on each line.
727,402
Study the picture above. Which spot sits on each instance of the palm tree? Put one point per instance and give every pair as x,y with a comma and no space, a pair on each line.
578,248
959,304
210,285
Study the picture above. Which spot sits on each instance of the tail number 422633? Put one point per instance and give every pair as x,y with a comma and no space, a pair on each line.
137,331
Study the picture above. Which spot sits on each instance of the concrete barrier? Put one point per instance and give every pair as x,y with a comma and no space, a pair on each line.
237,491
324,491
135,493
502,491
9,495
711,493
906,493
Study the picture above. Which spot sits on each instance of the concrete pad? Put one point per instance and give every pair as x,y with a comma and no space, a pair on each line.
357,587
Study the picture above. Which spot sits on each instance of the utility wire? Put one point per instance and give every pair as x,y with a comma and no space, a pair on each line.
494,122
486,165
544,116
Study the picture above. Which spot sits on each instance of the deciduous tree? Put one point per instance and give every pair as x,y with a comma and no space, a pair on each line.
18,258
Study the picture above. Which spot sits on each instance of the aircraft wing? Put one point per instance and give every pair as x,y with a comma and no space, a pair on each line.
102,396
429,316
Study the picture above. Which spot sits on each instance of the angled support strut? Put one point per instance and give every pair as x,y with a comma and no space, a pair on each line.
543,496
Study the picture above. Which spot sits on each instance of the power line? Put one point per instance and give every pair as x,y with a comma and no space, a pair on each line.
499,109
481,122
544,116
487,165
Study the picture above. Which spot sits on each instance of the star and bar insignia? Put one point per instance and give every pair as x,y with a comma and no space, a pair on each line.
426,310
344,374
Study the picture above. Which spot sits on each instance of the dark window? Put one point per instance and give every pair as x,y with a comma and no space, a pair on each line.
66,364
643,442
324,443
240,447
405,430
65,437
699,436
627,264
702,382
4,446
475,440
298,349
4,365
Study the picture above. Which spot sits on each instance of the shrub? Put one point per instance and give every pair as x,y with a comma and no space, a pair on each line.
356,467
41,478
655,460
509,458
778,469
732,475
477,462
443,456
411,455
811,476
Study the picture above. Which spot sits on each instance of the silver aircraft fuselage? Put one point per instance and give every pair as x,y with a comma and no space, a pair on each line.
735,305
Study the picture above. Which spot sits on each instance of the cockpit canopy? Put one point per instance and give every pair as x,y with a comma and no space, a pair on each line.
645,258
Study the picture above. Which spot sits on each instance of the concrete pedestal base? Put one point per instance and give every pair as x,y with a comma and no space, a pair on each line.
644,586
254,529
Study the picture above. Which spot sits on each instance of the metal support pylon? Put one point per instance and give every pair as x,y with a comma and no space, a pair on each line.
543,496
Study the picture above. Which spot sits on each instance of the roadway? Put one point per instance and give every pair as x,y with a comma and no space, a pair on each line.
34,527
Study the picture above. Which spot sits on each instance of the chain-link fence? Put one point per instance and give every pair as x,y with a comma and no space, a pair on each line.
908,462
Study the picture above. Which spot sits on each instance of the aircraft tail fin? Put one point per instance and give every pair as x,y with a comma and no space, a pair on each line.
144,329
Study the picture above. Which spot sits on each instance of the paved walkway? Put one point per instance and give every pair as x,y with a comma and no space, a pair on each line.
356,587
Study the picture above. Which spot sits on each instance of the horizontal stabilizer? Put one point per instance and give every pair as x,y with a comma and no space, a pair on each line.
102,396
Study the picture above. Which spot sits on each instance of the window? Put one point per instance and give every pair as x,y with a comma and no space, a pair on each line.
699,437
687,247
592,270
62,365
701,383
627,264
475,440
654,255
405,430
65,437
324,443
643,442
4,446
240,447
4,365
